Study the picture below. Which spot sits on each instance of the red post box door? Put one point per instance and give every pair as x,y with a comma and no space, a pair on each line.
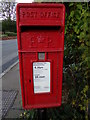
40,29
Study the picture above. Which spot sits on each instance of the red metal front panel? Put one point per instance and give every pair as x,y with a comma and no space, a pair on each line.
40,29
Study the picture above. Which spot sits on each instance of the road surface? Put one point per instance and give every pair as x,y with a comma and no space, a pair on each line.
9,53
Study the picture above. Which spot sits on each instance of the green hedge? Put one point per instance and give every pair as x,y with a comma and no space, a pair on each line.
11,34
8,25
3,35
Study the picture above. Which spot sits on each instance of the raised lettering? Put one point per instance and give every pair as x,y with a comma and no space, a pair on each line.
23,14
31,14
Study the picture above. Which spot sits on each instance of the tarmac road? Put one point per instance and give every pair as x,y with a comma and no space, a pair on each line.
9,53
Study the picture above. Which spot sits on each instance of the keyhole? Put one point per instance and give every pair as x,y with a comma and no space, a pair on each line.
30,81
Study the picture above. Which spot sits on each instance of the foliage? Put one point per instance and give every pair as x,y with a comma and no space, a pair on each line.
29,115
76,64
0,26
8,10
8,15
8,25
1,35
11,34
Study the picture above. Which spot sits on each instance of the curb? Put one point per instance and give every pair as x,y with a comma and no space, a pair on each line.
2,74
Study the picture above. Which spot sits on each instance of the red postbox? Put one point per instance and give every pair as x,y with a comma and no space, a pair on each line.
40,34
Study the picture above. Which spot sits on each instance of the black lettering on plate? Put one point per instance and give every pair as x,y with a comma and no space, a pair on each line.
41,76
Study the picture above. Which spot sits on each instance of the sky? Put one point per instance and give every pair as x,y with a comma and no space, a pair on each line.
24,1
